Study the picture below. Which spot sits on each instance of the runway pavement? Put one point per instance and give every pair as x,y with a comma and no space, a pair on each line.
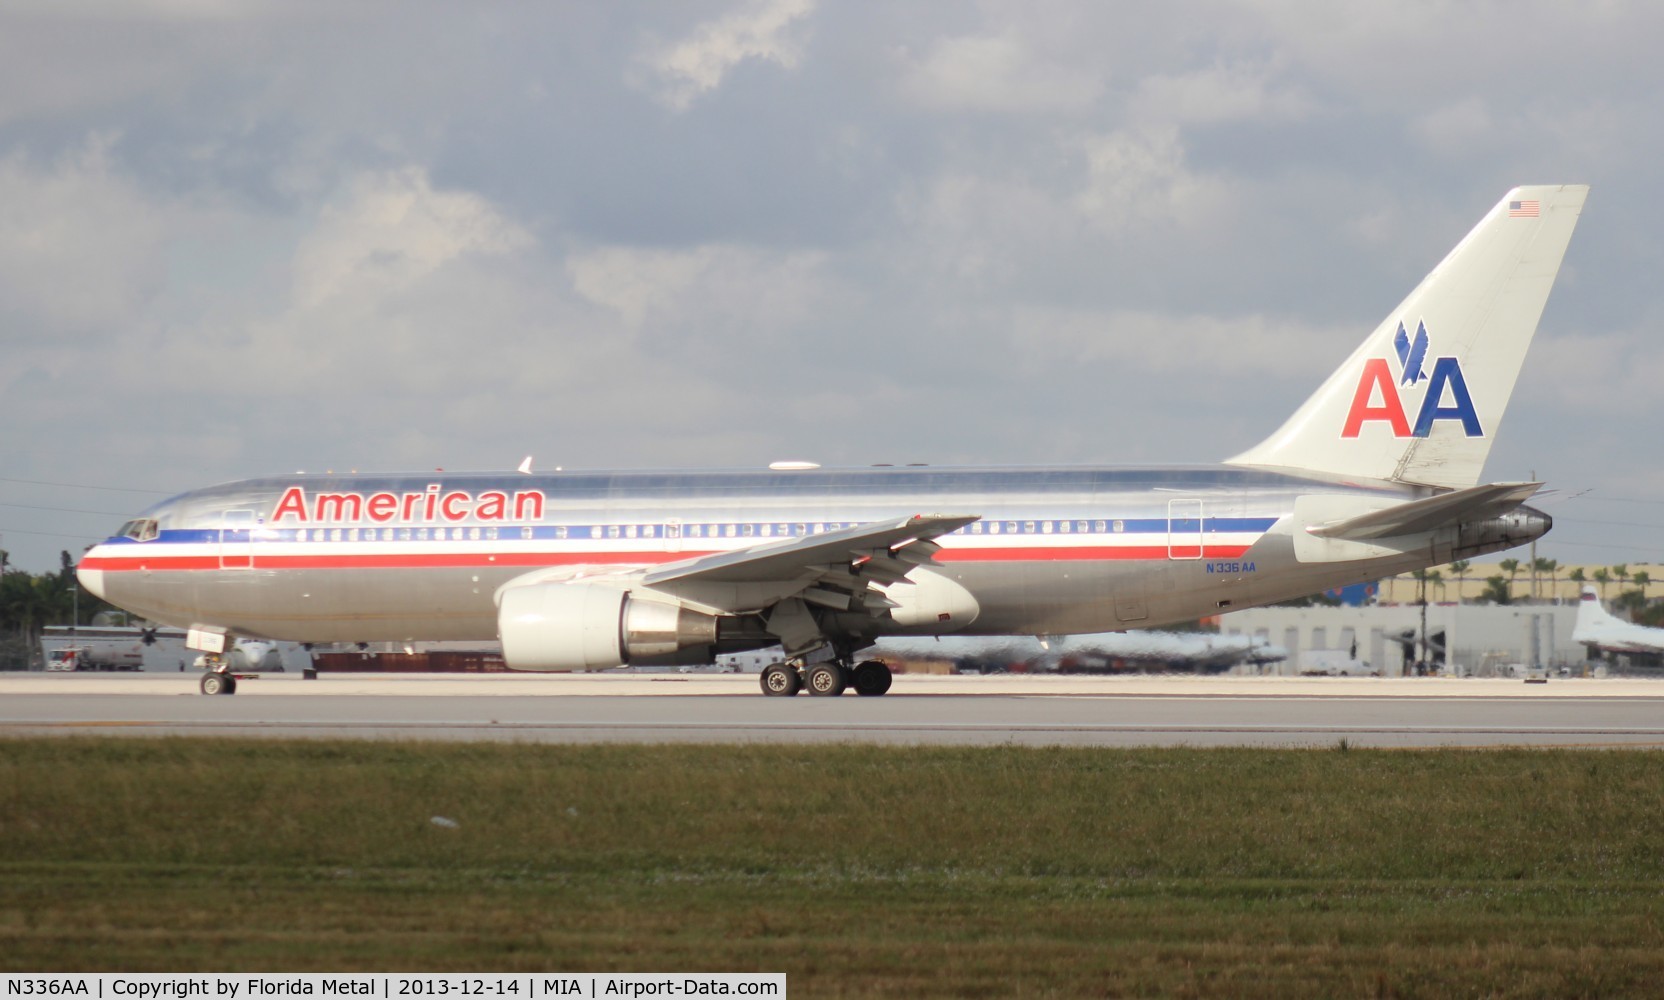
1035,710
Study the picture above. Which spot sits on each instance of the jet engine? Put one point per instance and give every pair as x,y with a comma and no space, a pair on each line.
931,601
594,626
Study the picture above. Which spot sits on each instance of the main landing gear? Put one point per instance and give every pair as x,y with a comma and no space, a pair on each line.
828,678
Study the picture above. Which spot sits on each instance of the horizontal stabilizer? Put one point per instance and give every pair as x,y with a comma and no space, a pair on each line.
1476,503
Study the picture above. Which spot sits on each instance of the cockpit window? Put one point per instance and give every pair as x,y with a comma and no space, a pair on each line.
141,529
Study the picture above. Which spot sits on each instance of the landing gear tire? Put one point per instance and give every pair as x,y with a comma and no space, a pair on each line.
217,683
872,679
827,680
780,681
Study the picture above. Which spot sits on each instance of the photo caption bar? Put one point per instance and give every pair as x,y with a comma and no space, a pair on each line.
391,986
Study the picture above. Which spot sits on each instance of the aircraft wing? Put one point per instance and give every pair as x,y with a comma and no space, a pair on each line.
834,569
1473,503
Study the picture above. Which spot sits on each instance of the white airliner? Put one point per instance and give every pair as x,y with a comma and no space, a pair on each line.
1597,628
1378,473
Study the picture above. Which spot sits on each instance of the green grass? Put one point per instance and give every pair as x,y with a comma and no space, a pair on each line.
857,870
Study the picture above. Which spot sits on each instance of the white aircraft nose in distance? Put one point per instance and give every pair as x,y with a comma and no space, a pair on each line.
1379,472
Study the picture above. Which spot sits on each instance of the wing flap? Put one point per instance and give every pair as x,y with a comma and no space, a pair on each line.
834,569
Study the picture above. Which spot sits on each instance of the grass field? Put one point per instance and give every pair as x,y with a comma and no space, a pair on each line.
856,870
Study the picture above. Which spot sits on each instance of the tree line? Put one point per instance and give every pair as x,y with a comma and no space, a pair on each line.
1500,588
31,601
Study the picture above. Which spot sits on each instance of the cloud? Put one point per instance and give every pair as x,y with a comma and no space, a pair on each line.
1219,93
1140,176
997,73
1177,345
765,30
687,300
80,244
392,230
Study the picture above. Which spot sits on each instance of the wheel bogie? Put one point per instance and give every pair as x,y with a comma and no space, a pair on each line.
827,680
871,679
780,681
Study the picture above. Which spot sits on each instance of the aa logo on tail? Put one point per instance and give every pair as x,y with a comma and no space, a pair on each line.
1445,393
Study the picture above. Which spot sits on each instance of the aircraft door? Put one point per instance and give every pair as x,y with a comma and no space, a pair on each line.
673,535
237,539
1184,529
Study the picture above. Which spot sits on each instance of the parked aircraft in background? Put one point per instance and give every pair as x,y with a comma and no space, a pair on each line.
1598,629
1378,473
1104,652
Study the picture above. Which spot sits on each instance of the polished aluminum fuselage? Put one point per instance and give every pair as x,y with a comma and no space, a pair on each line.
419,557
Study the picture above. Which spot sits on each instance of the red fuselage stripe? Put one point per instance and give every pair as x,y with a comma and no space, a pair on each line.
414,560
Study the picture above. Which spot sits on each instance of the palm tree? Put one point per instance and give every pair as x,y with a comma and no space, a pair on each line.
1496,590
1541,565
1420,577
1458,569
1577,578
1642,578
1602,578
1620,573
1436,578
1512,568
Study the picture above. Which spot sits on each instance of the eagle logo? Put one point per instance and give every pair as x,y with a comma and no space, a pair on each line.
1446,396
1411,355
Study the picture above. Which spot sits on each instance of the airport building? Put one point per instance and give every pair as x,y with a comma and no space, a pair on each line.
1467,633
1468,640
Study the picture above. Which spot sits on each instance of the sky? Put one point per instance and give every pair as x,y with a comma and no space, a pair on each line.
248,238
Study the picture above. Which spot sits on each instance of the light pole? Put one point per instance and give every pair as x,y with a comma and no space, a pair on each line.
75,598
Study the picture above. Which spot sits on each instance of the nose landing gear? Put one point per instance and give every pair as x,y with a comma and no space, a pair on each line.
218,679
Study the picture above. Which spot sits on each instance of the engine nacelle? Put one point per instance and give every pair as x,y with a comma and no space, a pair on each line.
593,626
931,601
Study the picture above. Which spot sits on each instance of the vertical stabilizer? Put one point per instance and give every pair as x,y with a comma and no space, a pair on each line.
1592,617
1420,400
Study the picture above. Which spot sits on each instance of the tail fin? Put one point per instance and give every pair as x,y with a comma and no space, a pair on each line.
1420,400
1590,611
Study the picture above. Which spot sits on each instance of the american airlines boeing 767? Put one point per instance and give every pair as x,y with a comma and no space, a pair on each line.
1376,474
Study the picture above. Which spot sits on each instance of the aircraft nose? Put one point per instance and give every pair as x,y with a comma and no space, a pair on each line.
92,580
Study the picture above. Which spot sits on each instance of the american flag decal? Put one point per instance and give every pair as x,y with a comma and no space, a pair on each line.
1523,209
